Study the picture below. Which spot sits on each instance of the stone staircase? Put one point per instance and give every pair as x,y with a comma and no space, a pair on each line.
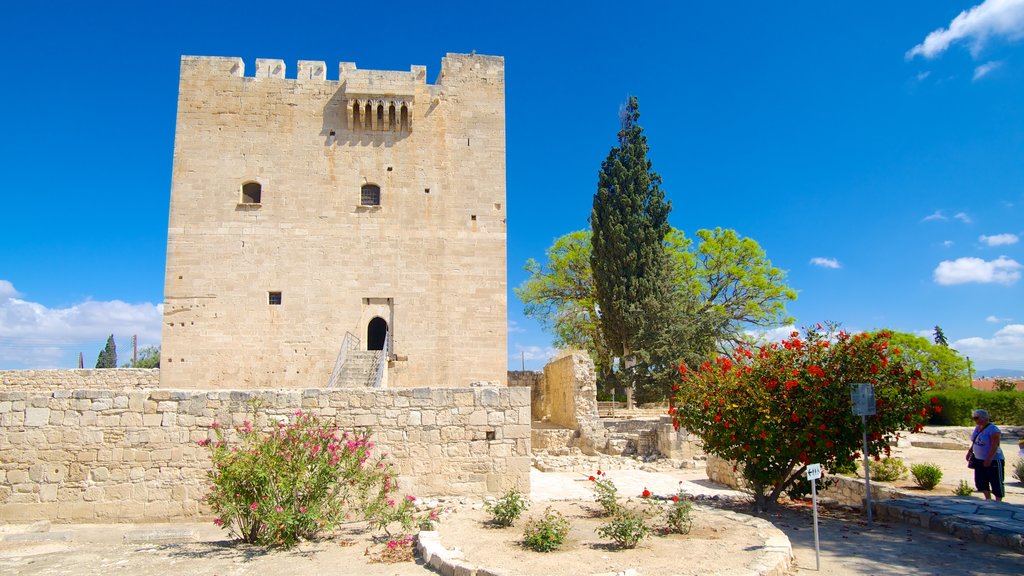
360,369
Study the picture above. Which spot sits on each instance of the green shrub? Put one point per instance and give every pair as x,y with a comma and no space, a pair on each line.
547,533
888,470
926,475
626,527
1018,470
678,518
963,489
508,508
845,468
296,480
605,493
1006,408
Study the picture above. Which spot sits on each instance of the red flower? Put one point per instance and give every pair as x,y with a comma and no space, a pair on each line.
646,493
816,371
790,384
675,498
935,400
937,409
591,478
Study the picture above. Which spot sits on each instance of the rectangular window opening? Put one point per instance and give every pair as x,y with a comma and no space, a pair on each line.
274,298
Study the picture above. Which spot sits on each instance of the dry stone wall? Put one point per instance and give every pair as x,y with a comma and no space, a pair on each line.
99,379
844,490
132,455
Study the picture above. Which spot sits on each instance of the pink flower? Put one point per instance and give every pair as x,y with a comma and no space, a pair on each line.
410,498
218,521
302,509
278,509
215,425
253,506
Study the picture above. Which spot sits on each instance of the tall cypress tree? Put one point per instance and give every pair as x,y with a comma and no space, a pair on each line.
629,221
940,338
108,356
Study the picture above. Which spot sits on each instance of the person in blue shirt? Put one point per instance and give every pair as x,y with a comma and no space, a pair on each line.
989,464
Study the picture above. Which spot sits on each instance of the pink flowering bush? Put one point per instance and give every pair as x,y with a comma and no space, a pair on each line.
295,480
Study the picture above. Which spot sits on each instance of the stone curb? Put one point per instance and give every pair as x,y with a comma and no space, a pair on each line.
774,559
910,511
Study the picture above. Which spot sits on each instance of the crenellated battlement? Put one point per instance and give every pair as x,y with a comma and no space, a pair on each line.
455,68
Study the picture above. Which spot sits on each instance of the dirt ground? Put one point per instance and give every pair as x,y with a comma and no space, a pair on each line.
715,545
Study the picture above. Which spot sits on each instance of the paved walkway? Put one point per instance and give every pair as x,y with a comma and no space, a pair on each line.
996,523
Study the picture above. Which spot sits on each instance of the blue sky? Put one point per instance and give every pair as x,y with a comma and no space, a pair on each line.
874,149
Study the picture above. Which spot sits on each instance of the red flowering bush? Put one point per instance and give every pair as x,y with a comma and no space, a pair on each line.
776,409
297,479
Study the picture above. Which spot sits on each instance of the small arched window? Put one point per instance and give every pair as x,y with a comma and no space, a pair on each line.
392,118
368,116
356,123
370,195
252,193
404,126
380,117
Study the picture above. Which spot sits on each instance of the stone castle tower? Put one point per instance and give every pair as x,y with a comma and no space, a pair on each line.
347,232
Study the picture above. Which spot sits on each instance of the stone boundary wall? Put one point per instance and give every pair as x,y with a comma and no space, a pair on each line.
131,455
85,379
844,490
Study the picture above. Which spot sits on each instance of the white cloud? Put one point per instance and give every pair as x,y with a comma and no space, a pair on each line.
35,336
947,243
1002,270
826,262
514,326
937,215
1005,346
985,69
996,319
999,239
772,334
963,217
988,20
922,75
542,353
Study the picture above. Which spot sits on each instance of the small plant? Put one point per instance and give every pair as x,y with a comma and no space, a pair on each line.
926,475
888,470
963,489
605,493
677,518
1018,470
627,527
845,468
508,508
547,533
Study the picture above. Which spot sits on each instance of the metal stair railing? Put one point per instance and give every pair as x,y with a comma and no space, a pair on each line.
349,342
382,362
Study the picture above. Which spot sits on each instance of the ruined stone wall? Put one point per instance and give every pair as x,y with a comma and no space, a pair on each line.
566,397
131,455
429,259
102,379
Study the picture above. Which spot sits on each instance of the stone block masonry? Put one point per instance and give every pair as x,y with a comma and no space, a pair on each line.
93,455
100,379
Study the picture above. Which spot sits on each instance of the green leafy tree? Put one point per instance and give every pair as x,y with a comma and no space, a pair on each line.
937,362
629,221
560,295
940,338
721,287
108,356
148,357
778,408
733,282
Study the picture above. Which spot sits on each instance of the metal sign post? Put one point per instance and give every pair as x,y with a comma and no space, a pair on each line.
863,398
813,473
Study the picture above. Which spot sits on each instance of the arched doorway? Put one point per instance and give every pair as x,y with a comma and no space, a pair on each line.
376,333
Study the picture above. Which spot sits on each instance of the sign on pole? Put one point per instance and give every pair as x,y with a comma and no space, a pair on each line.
863,398
813,474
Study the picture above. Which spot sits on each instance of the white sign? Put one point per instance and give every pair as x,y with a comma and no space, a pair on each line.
813,471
